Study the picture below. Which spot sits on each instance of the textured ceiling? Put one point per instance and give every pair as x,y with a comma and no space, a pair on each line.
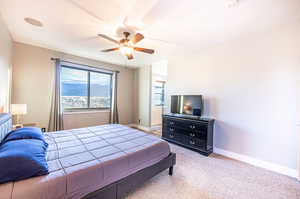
72,26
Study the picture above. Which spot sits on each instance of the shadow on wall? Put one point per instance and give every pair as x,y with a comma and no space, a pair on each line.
223,131
210,107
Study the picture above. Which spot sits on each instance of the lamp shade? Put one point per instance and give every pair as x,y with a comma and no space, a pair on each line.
19,109
2,104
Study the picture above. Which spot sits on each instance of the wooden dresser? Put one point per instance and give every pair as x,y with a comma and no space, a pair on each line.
195,133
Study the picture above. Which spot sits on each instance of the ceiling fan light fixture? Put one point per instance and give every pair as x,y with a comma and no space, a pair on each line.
126,45
126,50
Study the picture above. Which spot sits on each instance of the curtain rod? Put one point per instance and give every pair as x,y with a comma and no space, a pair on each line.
54,59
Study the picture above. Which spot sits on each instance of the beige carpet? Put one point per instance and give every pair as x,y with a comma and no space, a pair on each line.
216,177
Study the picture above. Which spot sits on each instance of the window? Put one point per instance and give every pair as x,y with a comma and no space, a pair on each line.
100,90
84,89
158,93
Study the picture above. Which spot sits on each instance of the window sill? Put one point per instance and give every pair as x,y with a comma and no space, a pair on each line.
86,112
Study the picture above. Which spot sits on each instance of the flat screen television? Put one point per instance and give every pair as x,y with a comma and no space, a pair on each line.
187,104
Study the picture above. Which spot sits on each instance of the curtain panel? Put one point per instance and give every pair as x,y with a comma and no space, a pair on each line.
56,113
114,114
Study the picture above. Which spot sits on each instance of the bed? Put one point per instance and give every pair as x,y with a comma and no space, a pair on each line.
105,161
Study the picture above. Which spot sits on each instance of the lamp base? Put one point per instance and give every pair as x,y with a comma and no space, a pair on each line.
17,126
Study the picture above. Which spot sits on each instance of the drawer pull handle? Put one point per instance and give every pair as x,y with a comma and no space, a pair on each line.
192,127
192,142
192,134
171,123
171,129
171,136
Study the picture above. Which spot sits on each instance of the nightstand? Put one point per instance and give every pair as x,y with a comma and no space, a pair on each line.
17,126
28,125
34,125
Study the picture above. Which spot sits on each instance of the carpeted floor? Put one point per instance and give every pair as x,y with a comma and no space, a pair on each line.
216,177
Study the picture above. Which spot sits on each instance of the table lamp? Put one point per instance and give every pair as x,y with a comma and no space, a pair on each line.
1,106
18,110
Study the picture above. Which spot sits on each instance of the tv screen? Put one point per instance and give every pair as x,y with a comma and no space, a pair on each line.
187,104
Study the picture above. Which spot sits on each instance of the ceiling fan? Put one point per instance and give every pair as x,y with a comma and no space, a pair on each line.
127,46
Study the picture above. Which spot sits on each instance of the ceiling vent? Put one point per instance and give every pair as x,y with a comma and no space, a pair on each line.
231,3
33,22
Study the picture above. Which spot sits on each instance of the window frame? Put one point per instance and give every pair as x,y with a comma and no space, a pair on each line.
162,94
88,90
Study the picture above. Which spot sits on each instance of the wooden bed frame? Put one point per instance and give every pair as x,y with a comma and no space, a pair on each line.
121,188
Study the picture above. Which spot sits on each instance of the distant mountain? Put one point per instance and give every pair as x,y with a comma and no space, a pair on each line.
79,89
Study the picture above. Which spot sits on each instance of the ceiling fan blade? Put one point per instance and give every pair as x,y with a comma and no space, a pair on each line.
137,37
129,56
108,50
108,38
144,50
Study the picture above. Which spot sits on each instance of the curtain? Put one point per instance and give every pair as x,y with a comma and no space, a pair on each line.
56,113
114,115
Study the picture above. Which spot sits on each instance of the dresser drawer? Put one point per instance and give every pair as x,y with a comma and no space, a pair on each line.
185,124
193,126
172,136
195,142
179,130
170,129
171,122
196,134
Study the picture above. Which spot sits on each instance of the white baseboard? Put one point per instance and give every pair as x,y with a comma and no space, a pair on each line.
144,128
244,158
156,128
259,163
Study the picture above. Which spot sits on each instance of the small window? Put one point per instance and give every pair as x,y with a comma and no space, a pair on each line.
84,89
158,93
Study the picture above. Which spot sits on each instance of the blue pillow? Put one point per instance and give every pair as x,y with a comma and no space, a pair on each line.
22,159
25,133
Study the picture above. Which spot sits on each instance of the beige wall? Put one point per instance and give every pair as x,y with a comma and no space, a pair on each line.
251,86
84,119
5,66
142,102
33,73
136,97
156,115
144,95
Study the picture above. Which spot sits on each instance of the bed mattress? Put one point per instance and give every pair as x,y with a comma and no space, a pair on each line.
84,160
